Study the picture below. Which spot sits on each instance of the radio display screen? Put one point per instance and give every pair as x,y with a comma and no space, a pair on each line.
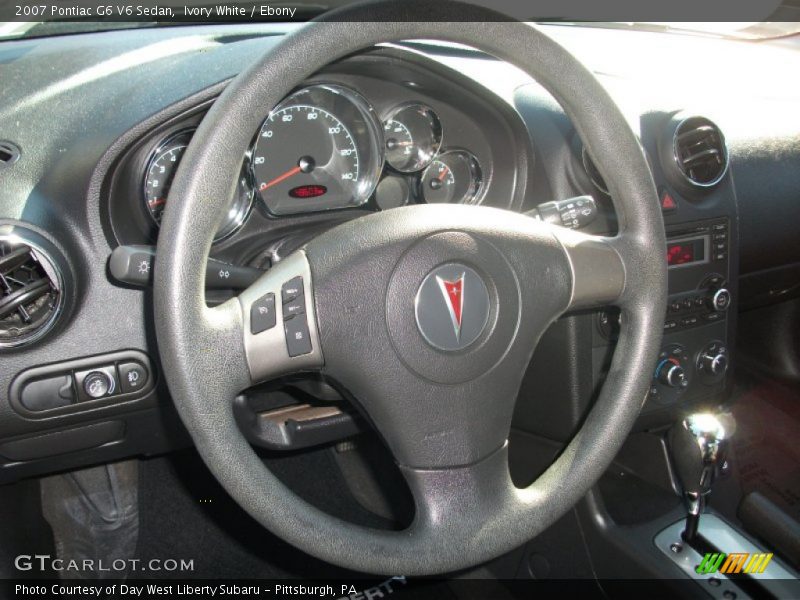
685,252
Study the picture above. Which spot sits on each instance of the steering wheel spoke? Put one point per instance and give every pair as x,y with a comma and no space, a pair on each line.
598,269
476,493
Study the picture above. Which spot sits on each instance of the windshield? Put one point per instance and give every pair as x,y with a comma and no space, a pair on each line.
301,11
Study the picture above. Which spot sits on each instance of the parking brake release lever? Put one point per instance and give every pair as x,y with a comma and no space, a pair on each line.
573,213
133,265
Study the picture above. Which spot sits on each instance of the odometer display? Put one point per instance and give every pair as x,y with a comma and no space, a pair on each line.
317,151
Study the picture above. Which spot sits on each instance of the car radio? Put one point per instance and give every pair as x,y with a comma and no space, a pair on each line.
697,259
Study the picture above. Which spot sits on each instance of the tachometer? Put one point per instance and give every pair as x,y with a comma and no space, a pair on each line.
318,150
161,171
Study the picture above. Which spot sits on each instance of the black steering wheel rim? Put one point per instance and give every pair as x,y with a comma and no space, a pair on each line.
471,513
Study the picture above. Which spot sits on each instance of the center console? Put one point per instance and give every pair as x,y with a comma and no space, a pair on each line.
690,168
696,352
694,358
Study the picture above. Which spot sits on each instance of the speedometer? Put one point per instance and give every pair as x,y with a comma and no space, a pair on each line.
318,150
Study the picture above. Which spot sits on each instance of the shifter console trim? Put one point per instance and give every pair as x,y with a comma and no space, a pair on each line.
778,580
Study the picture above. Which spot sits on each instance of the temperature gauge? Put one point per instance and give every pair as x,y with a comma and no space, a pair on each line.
454,177
412,134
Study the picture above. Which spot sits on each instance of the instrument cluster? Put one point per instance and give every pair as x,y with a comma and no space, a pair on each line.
326,148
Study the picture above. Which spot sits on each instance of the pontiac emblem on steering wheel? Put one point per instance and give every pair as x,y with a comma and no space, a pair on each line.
452,307
453,293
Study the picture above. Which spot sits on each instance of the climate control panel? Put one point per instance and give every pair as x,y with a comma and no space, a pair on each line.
672,374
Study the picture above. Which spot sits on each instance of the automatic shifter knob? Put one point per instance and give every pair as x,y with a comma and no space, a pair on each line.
698,446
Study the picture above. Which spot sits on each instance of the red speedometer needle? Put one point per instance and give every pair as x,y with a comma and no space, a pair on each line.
291,172
156,202
443,174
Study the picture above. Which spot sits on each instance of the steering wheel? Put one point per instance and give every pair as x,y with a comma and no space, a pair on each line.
439,387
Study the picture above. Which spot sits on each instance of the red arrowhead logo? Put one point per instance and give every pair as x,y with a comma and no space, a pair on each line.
453,293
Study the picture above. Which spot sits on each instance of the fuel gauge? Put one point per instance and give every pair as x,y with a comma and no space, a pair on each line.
454,177
412,135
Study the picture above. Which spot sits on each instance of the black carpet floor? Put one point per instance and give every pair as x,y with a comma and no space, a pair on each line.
185,513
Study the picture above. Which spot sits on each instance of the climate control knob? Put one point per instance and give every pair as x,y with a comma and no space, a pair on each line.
712,362
715,364
672,374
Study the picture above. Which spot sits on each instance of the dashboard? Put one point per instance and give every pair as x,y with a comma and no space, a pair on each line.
395,125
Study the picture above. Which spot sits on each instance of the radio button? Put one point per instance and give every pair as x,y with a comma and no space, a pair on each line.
721,300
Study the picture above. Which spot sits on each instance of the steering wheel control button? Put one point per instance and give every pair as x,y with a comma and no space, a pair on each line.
298,340
98,383
262,314
452,307
294,307
132,377
292,289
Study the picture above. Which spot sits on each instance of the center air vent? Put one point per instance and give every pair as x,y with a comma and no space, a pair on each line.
699,151
31,292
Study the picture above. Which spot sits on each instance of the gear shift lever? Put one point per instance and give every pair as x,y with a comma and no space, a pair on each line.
698,446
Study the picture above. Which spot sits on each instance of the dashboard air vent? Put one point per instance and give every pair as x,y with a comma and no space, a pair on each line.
9,154
700,151
30,292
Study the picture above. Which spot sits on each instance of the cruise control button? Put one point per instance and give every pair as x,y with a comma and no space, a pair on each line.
132,377
262,314
294,307
298,341
292,289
